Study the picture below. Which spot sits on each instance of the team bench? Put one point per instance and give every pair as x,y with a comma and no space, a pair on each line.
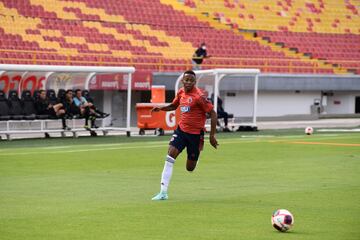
47,127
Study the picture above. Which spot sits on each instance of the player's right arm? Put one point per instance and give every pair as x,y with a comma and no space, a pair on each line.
171,107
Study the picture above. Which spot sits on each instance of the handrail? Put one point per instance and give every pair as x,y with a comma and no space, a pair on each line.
264,68
160,57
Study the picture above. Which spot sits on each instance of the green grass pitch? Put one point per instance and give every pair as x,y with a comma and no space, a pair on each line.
100,188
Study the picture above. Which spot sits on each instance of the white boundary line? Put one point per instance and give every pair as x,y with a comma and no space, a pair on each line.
338,130
142,145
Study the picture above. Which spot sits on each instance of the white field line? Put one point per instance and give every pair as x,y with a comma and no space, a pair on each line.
242,138
80,146
79,150
338,130
140,145
55,147
101,147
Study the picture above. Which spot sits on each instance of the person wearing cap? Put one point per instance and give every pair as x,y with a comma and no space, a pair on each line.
189,134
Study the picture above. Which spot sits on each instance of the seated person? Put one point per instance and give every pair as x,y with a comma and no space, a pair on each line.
221,112
86,108
43,107
70,108
99,114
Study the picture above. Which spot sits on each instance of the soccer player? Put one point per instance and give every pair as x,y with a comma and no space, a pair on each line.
194,106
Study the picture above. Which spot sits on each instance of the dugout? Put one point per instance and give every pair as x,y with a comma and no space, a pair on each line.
32,77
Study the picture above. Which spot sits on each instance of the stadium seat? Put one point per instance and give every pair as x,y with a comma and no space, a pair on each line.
61,95
16,110
28,105
4,107
50,94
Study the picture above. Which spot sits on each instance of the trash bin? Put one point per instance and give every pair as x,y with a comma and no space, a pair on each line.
158,121
157,94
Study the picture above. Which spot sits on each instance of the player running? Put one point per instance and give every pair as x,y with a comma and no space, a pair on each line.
190,131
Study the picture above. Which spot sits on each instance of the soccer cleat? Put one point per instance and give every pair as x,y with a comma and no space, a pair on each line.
161,196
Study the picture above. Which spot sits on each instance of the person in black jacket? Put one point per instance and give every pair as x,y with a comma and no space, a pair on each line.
199,56
72,109
69,105
221,112
43,107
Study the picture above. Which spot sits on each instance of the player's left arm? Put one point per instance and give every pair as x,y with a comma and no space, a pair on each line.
207,106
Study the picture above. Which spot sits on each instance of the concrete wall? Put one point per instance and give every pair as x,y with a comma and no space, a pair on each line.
341,103
281,103
274,103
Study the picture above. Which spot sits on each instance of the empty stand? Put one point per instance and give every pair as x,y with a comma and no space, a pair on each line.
132,32
340,49
322,16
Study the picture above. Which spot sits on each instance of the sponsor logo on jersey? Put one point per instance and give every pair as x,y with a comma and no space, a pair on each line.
185,109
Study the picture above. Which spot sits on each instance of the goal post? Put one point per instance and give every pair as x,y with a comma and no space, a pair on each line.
69,77
210,80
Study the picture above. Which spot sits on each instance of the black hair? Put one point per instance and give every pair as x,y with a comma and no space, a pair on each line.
67,91
190,72
41,90
77,90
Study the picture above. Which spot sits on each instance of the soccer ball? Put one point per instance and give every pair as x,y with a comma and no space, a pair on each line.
309,130
282,220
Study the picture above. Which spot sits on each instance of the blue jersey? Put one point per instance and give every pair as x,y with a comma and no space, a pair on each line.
78,102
